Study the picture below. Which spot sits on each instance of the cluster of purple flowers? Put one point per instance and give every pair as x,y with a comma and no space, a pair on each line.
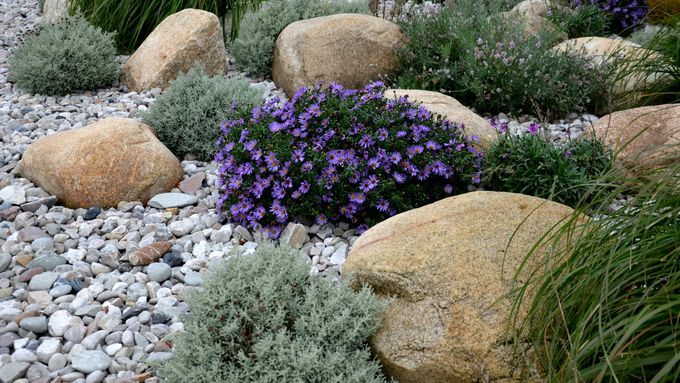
335,154
626,13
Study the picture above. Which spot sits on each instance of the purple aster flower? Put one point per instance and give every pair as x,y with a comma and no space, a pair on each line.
357,197
296,194
277,191
321,220
366,141
314,110
298,155
533,128
245,168
401,134
568,154
400,178
287,183
438,168
362,228
448,189
395,157
382,134
273,163
304,187
382,205
307,167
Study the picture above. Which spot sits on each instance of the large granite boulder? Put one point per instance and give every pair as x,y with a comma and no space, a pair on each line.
453,110
642,135
450,266
55,10
112,160
182,40
541,8
349,49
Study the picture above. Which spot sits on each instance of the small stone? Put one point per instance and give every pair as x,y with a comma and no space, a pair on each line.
243,233
24,355
95,377
13,194
48,348
193,279
159,272
92,213
170,200
35,205
160,318
43,281
173,259
31,233
294,235
12,372
192,184
181,228
41,297
159,357
60,321
61,290
47,262
90,361
95,339
36,325
5,260
149,254
57,362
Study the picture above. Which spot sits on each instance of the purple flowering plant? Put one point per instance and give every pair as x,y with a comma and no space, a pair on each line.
334,154
626,14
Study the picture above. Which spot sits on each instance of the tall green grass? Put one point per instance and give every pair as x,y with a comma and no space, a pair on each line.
133,20
606,306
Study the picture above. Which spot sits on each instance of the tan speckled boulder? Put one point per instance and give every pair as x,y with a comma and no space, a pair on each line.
182,40
453,110
656,127
447,265
112,160
54,10
350,49
539,8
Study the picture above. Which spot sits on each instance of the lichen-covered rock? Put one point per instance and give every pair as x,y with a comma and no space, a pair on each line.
350,49
112,160
449,107
181,41
450,267
641,135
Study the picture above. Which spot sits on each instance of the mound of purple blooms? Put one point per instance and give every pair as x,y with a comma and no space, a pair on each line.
338,155
626,13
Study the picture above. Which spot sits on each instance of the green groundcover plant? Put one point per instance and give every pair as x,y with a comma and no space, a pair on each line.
187,116
262,319
254,47
135,19
67,56
486,61
338,155
606,306
531,164
583,21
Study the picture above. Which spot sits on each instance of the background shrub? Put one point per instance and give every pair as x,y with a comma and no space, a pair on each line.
485,61
261,318
606,309
626,15
583,21
338,155
254,47
187,116
530,164
134,20
64,57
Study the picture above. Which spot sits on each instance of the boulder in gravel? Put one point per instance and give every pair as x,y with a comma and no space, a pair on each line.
187,38
54,10
450,268
90,361
541,8
449,107
112,160
350,49
642,134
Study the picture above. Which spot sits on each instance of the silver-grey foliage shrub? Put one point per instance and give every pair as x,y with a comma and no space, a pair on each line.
263,319
254,46
67,56
187,116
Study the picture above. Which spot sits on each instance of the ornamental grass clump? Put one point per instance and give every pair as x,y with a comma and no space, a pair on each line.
531,164
262,319
187,116
253,49
334,154
606,307
487,61
64,57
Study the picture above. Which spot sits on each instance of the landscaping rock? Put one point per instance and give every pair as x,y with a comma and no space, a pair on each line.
540,8
36,325
170,200
149,254
453,110
5,260
112,160
90,361
54,10
449,266
350,49
13,194
187,38
12,372
159,272
294,235
652,129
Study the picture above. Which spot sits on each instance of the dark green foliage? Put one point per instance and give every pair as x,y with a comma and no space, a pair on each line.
585,21
135,19
64,57
484,60
607,308
262,318
187,116
254,47
530,164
